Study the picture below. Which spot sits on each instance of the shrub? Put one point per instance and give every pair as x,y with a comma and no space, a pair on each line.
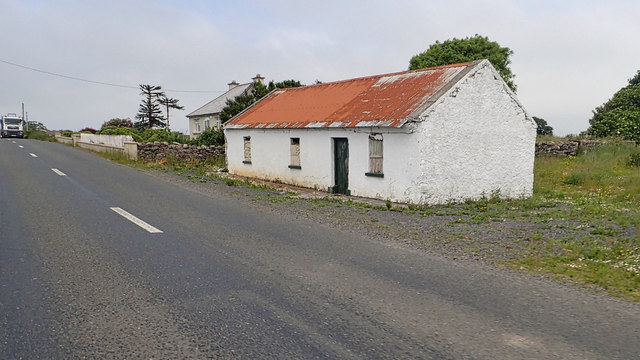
210,137
66,133
118,123
39,135
88,130
111,130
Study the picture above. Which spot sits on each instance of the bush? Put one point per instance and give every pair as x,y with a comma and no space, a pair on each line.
39,135
66,133
88,130
111,130
210,137
117,123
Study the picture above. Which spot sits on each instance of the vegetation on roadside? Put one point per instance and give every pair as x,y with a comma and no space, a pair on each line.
39,135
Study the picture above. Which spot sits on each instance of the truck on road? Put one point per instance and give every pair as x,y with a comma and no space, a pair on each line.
11,125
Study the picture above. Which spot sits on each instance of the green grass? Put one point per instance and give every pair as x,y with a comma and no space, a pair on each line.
600,190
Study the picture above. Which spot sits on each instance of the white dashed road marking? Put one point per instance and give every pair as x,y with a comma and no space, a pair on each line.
136,221
13,141
59,172
33,155
21,147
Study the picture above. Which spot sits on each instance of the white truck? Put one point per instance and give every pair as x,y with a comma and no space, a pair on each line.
12,125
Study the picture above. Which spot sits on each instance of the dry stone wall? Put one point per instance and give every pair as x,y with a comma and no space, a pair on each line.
567,148
156,151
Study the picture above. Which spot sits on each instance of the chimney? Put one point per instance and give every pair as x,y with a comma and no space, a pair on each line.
232,84
259,79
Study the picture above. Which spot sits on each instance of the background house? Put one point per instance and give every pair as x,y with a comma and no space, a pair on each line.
208,115
435,135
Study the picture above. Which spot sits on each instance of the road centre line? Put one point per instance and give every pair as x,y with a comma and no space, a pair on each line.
33,155
136,221
13,141
21,147
59,172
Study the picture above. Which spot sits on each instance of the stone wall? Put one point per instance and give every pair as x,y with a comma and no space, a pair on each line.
567,148
161,150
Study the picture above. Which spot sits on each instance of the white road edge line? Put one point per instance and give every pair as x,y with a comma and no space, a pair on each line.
136,221
33,155
59,172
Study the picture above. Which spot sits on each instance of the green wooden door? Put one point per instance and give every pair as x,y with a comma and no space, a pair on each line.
341,161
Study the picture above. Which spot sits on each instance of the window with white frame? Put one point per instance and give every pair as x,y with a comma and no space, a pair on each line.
196,124
206,123
294,149
247,149
375,155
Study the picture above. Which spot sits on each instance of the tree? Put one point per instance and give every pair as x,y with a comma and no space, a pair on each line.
620,116
243,101
456,51
35,125
543,128
169,103
149,112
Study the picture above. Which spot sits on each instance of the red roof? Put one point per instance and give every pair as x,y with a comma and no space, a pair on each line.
382,100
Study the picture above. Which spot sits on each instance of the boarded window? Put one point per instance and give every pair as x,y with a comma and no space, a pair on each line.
375,154
247,149
295,152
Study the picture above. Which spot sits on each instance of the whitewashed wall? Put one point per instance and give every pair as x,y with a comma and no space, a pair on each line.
475,140
109,140
270,157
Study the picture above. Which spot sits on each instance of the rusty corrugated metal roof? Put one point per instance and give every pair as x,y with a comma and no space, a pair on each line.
374,101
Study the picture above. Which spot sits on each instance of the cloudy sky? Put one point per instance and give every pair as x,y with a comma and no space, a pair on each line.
569,56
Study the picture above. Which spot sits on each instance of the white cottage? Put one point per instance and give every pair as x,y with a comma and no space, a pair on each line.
428,136
208,115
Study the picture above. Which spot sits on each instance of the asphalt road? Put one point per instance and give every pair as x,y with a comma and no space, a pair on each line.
207,276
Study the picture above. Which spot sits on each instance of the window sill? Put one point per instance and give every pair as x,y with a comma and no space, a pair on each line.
295,167
246,162
374,174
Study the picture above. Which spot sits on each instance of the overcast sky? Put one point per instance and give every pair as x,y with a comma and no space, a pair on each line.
569,56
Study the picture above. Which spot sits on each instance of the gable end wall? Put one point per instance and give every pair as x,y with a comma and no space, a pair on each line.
475,140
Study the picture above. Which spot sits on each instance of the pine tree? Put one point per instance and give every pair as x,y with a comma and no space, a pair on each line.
149,113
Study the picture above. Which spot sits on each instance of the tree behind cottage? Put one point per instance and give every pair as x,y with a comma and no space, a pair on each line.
620,116
455,51
149,113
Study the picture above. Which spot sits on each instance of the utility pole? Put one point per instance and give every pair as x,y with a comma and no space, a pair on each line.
26,123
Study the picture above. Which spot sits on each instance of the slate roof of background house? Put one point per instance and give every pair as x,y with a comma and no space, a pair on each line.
388,100
216,105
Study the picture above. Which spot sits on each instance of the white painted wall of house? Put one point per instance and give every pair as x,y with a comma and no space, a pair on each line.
270,158
474,141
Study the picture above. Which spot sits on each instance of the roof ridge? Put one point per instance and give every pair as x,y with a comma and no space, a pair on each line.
218,97
464,64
